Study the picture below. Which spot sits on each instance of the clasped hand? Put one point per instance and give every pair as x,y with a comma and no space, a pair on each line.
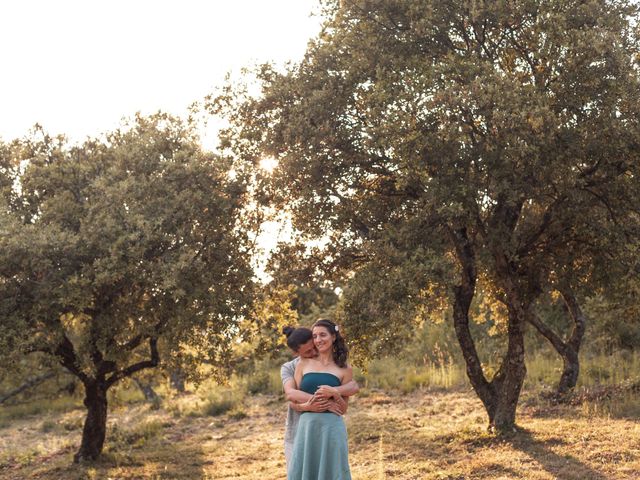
320,403
325,391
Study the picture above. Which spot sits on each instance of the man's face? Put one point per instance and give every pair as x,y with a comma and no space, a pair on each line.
308,350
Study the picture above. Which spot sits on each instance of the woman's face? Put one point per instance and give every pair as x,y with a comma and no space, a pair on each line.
322,338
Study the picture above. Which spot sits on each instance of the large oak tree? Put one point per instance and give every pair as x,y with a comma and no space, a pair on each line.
435,141
121,253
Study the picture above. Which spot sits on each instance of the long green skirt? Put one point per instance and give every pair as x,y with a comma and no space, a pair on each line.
320,449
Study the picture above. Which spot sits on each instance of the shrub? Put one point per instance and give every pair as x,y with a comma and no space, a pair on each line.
135,437
265,381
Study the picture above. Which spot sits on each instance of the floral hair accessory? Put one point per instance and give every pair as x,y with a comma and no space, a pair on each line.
337,329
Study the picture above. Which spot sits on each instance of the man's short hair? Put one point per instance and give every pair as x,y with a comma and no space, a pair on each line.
297,336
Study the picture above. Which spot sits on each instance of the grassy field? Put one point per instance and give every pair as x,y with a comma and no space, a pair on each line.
425,434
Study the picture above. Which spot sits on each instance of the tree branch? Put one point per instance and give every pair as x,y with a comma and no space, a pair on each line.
32,382
547,219
130,370
546,331
67,355
578,317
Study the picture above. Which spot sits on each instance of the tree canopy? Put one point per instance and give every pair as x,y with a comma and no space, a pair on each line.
436,142
122,253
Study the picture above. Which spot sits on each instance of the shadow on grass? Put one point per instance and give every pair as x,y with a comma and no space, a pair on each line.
541,452
173,460
552,462
451,451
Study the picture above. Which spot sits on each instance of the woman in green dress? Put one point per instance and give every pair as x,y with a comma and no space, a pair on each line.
320,446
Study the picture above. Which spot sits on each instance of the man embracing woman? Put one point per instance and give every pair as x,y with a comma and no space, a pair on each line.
317,384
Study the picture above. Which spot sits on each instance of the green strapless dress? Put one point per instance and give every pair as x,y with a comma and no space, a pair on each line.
320,449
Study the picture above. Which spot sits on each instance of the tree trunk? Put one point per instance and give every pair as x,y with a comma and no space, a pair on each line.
147,390
463,296
569,349
500,395
510,378
176,379
485,390
570,372
95,425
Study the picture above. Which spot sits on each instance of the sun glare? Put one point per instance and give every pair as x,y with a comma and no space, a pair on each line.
268,164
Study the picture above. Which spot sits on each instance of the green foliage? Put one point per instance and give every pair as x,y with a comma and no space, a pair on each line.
136,437
616,318
212,399
112,245
262,329
217,404
516,123
314,302
264,380
122,253
399,374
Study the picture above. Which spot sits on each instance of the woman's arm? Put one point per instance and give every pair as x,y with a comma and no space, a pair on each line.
349,386
292,394
314,404
339,402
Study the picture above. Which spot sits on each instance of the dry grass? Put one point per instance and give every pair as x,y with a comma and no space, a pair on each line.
423,435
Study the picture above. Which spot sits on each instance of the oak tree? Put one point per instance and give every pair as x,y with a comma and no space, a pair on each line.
431,142
121,253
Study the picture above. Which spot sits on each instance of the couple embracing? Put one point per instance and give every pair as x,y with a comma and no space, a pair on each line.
317,384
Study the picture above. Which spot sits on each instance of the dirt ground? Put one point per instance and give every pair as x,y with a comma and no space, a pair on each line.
424,435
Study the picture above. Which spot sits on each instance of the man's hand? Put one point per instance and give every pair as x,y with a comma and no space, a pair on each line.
314,404
325,391
320,404
337,407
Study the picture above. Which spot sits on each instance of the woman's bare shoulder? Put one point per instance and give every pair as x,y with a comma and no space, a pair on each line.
347,368
346,373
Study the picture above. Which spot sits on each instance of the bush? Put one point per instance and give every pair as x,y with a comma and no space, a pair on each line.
217,400
135,437
265,381
48,426
217,406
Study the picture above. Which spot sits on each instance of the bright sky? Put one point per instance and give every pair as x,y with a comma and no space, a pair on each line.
78,66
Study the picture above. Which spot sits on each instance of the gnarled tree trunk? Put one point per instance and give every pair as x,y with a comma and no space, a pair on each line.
95,425
147,390
96,387
176,379
500,395
569,349
510,377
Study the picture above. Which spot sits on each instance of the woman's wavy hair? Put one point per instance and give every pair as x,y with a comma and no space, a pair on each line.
340,350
